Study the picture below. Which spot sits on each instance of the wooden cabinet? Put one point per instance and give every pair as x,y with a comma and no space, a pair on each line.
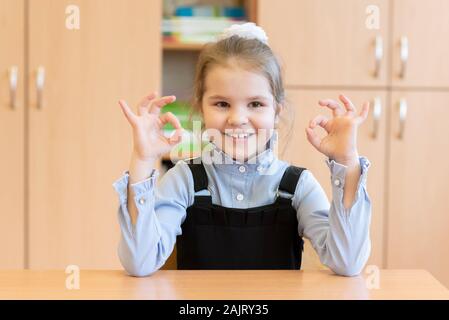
79,141
336,43
326,49
12,130
420,45
406,178
328,42
371,143
71,130
418,176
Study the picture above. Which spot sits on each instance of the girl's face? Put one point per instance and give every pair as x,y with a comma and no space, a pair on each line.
238,111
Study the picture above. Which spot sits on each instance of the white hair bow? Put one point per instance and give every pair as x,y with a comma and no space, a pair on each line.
247,30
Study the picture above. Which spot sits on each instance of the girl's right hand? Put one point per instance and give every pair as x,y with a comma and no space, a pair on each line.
148,137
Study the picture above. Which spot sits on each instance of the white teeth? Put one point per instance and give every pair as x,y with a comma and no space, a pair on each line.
239,135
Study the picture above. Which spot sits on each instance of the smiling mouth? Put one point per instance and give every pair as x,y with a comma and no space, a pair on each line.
239,136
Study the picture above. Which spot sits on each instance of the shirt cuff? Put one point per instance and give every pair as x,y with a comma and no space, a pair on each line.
121,185
338,175
338,171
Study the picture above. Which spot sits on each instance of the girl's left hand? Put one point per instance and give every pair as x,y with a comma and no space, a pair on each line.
340,144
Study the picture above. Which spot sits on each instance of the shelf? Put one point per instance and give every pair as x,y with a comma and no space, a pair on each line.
171,45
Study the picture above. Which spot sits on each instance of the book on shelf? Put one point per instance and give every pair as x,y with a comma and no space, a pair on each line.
195,29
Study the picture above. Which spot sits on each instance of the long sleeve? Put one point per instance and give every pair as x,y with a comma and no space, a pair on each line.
340,236
144,247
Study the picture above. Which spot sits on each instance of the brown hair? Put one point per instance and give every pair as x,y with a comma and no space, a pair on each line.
251,54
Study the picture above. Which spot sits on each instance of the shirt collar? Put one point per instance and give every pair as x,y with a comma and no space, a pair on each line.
259,163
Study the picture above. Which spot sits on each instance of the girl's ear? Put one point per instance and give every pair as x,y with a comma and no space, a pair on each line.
279,109
276,121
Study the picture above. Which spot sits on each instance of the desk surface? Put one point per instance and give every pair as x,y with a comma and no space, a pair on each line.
248,284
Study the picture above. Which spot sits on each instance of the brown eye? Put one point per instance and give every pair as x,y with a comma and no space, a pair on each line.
222,104
256,104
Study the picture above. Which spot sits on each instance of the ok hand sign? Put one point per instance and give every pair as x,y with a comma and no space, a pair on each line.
149,140
340,144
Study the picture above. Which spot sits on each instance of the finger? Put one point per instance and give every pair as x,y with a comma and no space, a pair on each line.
364,113
176,137
157,104
347,103
313,138
169,117
337,110
143,105
321,121
130,116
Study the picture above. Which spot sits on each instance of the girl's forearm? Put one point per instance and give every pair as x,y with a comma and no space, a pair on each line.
138,171
353,173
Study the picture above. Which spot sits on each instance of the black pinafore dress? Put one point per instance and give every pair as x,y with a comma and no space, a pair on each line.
217,237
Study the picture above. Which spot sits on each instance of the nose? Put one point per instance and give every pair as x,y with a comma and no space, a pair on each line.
237,117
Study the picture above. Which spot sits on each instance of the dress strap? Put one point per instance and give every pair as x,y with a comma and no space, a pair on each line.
290,179
288,182
200,181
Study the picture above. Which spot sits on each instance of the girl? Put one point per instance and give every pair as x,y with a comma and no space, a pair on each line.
243,208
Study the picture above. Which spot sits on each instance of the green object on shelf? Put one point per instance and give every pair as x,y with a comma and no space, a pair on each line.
182,111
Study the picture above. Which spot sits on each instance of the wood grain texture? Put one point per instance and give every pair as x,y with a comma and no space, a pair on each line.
326,42
422,22
12,135
220,284
80,142
418,208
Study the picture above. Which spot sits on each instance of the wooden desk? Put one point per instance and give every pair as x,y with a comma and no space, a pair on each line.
172,284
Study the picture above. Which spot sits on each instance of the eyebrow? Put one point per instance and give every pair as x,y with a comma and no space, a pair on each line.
250,98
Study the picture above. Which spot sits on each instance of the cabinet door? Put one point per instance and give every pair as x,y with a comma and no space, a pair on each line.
328,42
418,207
300,152
12,134
79,140
425,27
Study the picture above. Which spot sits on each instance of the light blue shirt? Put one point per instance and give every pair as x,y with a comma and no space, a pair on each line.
340,236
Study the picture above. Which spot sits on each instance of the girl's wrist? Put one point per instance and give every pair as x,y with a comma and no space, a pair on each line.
140,169
144,160
349,161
